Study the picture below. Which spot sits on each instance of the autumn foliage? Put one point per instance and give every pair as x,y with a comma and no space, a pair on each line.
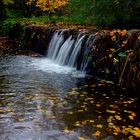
48,5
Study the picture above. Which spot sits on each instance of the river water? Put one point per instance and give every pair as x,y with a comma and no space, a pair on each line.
40,100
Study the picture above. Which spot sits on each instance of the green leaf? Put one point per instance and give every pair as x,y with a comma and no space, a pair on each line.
122,54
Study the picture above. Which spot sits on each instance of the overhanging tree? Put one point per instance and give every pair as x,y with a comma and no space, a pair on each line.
48,5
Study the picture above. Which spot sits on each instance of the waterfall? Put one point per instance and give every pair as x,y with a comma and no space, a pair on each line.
86,55
66,51
76,51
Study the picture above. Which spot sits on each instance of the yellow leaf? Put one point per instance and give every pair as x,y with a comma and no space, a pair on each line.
114,106
139,38
137,132
91,102
115,61
112,49
91,121
66,130
117,129
115,133
77,124
113,38
82,95
99,126
117,117
70,112
111,111
131,138
89,98
111,125
97,133
53,98
133,114
98,105
84,122
82,106
123,33
21,120
131,117
80,110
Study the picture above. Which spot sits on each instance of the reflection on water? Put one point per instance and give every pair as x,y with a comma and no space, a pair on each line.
40,103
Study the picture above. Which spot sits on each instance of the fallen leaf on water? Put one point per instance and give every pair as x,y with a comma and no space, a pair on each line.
139,38
91,102
99,126
131,117
111,111
91,121
123,33
77,124
89,98
48,112
98,105
136,132
21,120
131,138
82,95
69,112
114,106
113,38
83,106
97,133
99,117
53,98
133,114
118,117
111,125
115,133
117,129
110,118
66,130
80,110
84,122
125,130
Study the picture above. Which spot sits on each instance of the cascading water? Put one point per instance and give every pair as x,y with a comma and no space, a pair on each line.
76,51
67,51
86,55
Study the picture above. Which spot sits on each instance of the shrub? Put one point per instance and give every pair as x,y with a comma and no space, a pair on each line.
115,13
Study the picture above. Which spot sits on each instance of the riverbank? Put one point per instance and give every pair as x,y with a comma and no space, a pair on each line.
12,47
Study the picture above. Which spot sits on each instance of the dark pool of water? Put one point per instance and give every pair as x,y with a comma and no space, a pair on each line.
40,100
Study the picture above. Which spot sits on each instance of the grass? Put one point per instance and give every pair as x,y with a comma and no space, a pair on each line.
7,24
65,19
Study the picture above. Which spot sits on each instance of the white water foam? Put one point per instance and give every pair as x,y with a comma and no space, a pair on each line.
49,66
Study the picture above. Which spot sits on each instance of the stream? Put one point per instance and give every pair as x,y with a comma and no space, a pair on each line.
41,100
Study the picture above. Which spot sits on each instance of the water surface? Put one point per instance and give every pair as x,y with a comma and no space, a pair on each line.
41,100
